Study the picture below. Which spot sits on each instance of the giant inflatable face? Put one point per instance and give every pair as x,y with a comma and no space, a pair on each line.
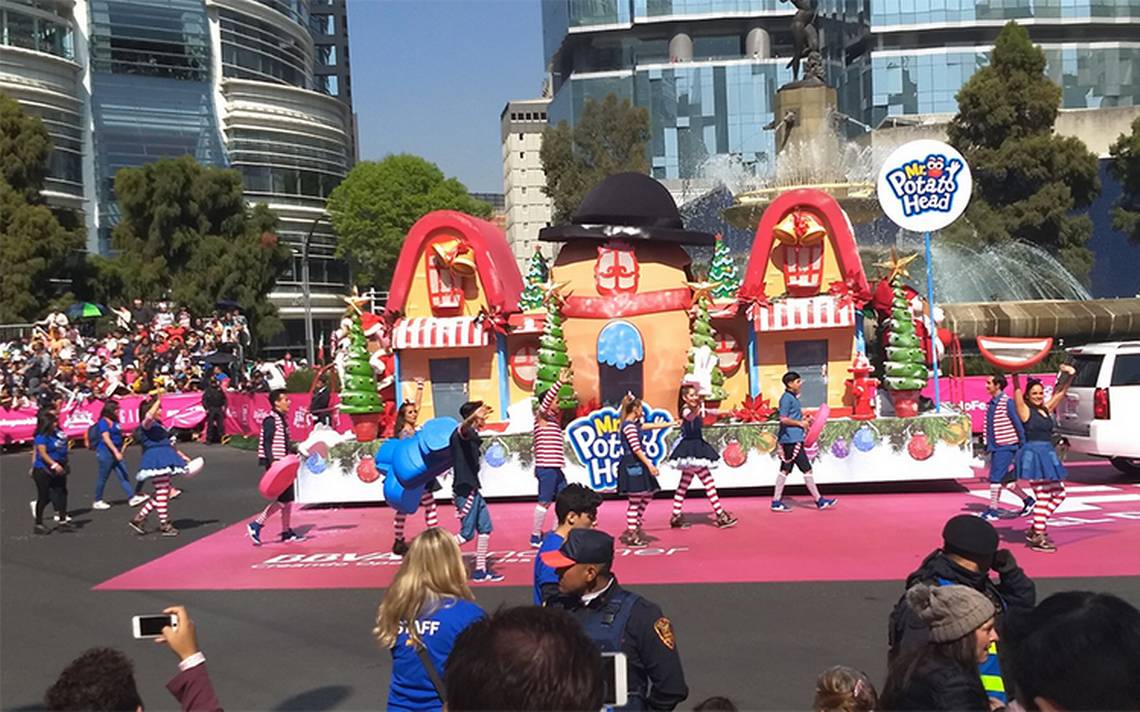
800,252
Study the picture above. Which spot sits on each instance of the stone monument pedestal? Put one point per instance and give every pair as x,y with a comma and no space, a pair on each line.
810,134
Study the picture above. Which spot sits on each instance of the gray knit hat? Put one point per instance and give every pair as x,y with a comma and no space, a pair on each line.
951,612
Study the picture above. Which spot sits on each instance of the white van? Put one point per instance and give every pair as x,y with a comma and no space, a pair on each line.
1101,412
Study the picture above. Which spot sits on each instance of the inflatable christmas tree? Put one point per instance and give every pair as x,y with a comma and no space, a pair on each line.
552,355
905,372
722,270
358,395
536,275
702,335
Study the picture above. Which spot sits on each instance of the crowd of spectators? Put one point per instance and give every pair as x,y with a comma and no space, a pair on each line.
147,350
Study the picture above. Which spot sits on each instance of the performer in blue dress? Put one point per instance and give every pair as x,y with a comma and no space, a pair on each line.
695,457
1037,461
160,462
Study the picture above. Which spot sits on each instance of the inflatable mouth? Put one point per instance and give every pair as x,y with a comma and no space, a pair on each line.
1014,354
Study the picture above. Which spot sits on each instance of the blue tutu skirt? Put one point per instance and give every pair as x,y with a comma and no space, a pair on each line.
160,461
694,452
1038,462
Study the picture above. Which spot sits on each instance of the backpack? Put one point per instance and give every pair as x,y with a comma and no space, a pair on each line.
92,435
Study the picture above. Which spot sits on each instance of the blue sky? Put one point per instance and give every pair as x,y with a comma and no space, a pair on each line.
430,77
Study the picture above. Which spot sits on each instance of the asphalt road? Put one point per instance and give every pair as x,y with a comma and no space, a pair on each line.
759,644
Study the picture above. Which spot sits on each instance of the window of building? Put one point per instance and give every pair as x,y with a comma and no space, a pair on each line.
170,41
520,137
522,154
326,55
252,49
322,24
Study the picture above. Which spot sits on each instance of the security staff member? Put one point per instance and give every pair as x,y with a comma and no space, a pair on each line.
618,620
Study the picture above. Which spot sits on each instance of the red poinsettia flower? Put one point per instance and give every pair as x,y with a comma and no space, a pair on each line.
754,410
752,298
492,320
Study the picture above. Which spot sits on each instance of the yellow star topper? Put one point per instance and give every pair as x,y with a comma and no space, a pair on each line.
702,291
897,266
355,302
552,291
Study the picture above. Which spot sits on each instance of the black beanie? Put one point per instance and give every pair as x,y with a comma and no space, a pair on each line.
968,534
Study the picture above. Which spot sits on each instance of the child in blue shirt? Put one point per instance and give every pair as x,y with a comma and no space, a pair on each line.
576,507
793,425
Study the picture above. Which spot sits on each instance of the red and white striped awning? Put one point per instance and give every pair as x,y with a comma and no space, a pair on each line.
435,333
822,312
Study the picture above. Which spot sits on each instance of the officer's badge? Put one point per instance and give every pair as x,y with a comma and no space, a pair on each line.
664,630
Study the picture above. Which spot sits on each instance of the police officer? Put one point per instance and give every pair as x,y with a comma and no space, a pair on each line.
618,620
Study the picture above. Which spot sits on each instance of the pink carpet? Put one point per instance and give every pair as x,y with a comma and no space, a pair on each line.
867,537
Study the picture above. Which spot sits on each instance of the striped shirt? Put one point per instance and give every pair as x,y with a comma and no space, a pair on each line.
548,448
1004,431
274,441
631,431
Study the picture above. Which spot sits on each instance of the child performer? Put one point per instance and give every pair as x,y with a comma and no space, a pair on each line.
273,445
1037,461
160,461
695,457
791,439
471,508
1004,434
549,453
637,475
406,428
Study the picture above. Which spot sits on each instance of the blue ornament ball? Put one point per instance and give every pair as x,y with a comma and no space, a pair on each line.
496,455
864,439
316,464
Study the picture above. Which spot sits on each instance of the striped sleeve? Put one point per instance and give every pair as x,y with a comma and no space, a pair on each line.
632,435
550,399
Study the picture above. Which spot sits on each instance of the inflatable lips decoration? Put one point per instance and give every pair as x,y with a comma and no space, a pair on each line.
1013,354
817,424
279,476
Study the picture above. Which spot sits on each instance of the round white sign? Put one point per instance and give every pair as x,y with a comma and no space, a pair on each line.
924,185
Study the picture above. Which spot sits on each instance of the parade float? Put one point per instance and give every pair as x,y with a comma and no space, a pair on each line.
621,307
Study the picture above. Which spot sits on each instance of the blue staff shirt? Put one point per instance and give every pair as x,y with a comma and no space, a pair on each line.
543,574
56,446
116,436
411,687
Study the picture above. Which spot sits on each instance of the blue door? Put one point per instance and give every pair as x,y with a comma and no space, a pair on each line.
449,378
809,359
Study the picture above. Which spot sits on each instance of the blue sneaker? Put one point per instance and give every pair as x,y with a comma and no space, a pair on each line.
289,535
254,531
535,541
825,503
779,506
1027,507
485,576
990,515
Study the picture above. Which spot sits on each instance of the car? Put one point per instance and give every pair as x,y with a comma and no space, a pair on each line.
1100,412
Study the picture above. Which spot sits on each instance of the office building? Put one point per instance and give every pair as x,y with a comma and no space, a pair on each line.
528,209
122,83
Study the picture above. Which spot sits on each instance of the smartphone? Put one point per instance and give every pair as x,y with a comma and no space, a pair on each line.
151,626
617,682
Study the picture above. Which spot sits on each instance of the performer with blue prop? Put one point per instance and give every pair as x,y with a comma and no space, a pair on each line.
410,463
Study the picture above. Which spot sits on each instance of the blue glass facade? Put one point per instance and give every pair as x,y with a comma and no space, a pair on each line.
925,12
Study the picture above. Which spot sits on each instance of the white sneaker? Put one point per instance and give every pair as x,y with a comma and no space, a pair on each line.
33,503
174,492
100,504
62,519
138,499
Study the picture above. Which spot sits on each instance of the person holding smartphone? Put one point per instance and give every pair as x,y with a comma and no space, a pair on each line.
50,470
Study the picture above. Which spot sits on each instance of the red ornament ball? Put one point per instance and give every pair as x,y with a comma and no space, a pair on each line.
366,470
734,455
920,447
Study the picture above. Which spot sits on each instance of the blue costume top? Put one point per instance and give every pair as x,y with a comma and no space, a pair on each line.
159,456
692,449
411,687
790,408
1037,460
1039,426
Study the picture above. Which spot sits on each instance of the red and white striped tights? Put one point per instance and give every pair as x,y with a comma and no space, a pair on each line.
706,478
159,501
431,515
1049,496
635,511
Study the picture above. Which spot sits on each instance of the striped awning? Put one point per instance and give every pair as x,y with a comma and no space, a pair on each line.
822,312
434,333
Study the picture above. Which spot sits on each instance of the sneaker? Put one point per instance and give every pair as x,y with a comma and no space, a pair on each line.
399,547
174,492
40,529
100,504
138,499
1040,542
168,530
33,503
825,503
63,519
1027,506
634,540
677,521
990,515
289,536
724,520
485,576
254,531
137,526
779,506
535,541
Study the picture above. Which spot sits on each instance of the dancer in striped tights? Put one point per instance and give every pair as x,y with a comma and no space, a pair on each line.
549,453
406,428
1038,461
160,462
695,457
637,475
273,445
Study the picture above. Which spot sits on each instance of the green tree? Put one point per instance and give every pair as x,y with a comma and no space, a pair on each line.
702,335
378,202
186,232
1027,181
552,355
905,367
537,272
358,394
610,137
39,246
1125,168
723,271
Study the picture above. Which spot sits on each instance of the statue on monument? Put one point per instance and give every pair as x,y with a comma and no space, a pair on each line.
806,44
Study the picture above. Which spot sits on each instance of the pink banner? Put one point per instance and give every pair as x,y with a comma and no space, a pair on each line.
974,395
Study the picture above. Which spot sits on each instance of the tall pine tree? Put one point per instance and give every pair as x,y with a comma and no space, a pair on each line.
552,354
358,393
722,270
537,273
905,366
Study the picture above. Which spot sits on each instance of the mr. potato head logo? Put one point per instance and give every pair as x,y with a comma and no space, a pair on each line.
923,186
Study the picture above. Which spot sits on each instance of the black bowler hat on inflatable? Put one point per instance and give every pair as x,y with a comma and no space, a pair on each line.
627,206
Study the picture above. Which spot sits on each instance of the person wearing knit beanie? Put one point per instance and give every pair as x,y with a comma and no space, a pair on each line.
943,674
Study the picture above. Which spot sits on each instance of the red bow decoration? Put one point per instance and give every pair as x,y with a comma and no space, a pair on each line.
492,320
849,293
586,408
754,410
752,298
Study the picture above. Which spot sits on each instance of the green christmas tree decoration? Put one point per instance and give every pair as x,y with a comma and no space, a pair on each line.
722,270
905,366
552,355
702,335
358,392
537,272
